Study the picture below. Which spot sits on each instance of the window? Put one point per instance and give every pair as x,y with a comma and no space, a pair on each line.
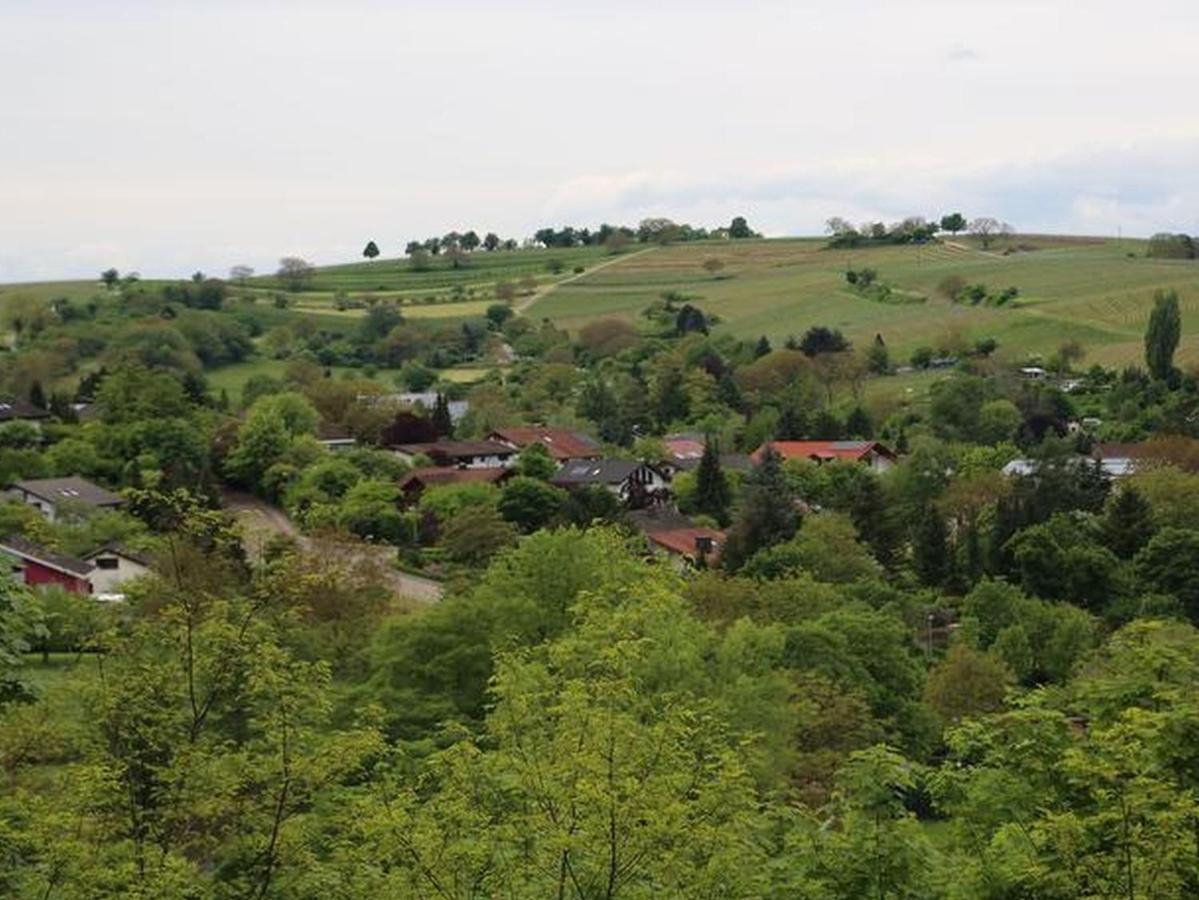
107,562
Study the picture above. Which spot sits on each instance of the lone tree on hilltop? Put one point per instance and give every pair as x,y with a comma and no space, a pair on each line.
1161,337
739,228
110,277
953,223
294,272
986,229
371,250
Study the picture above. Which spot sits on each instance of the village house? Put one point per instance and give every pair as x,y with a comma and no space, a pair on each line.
635,483
100,574
684,451
35,566
690,547
1114,460
416,482
113,565
334,437
675,536
21,411
871,453
459,454
51,496
563,444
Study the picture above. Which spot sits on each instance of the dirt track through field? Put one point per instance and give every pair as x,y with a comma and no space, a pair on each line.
262,520
540,293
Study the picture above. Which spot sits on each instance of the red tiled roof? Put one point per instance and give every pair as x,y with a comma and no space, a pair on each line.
682,541
436,475
852,450
562,443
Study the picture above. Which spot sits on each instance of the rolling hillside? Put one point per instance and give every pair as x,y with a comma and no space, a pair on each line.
1089,290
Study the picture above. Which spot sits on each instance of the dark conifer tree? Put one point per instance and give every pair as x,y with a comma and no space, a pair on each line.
712,493
443,424
37,395
767,514
930,548
762,348
1127,523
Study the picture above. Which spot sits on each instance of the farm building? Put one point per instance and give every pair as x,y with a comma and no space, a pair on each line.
563,444
51,496
871,453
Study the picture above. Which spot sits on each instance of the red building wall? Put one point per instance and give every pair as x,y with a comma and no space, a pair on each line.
38,575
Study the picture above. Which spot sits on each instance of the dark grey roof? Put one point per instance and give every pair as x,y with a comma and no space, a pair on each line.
20,409
734,462
70,490
118,550
458,449
28,550
596,471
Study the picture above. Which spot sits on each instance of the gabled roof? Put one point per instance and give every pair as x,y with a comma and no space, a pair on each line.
73,490
824,450
596,471
111,549
684,541
20,409
562,443
436,475
59,562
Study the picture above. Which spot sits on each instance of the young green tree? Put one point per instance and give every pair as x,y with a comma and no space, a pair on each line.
953,223
530,503
535,462
1162,334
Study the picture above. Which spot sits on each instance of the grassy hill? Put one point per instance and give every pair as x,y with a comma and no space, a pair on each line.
1090,290
1096,291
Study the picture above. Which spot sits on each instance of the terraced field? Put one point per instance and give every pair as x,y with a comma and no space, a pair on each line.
1088,290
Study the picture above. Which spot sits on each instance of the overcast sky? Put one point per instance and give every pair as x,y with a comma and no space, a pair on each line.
166,137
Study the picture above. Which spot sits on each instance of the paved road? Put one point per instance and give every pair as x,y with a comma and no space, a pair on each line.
262,520
522,305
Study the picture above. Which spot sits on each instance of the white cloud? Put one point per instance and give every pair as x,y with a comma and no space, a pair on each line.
168,136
